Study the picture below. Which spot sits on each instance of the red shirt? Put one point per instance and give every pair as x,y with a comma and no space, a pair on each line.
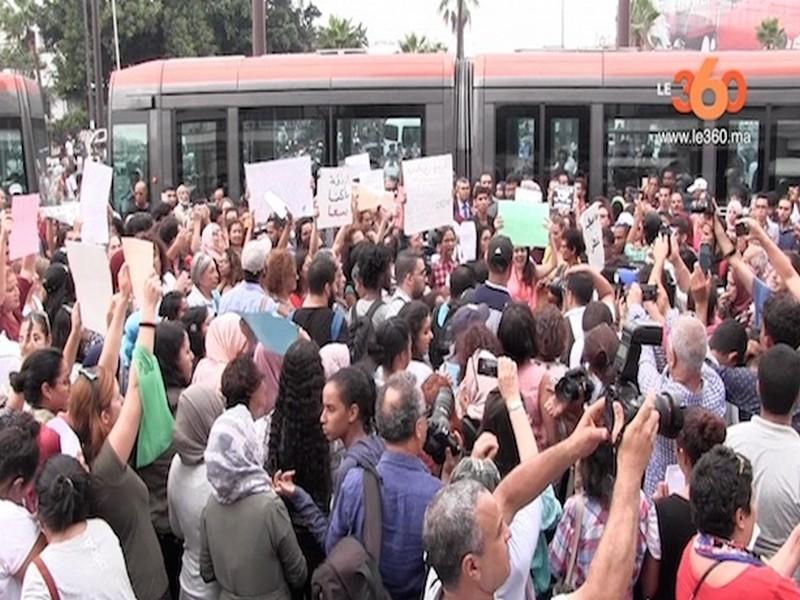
754,583
10,322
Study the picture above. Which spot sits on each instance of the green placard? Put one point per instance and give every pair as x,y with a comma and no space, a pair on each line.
525,223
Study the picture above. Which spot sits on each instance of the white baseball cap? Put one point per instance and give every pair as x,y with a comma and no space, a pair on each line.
699,185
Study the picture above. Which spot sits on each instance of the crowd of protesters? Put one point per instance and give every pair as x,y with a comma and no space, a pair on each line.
517,426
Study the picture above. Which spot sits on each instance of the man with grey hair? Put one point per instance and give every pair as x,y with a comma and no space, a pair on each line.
406,488
466,536
687,377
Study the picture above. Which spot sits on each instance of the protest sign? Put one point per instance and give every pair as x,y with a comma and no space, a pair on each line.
276,334
564,198
526,195
593,236
429,193
358,163
467,241
24,237
139,258
89,266
288,178
277,205
370,199
525,223
333,198
374,179
63,213
95,190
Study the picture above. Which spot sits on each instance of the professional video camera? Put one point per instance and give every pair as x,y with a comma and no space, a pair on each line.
576,385
440,435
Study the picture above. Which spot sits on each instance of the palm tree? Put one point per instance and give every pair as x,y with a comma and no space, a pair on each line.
457,17
643,15
771,35
341,33
414,44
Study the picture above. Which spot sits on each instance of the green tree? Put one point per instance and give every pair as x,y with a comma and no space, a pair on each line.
457,14
411,43
643,16
290,26
771,35
18,25
341,33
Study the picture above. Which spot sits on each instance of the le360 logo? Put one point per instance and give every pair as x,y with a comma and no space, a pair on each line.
697,87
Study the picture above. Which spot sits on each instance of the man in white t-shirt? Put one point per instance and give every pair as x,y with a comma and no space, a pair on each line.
773,447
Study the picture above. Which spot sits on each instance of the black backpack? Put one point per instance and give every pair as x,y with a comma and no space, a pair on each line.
350,572
442,336
362,332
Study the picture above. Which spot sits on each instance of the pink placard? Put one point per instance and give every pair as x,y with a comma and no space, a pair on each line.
24,238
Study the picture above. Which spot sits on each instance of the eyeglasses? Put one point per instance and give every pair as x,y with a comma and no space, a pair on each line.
91,376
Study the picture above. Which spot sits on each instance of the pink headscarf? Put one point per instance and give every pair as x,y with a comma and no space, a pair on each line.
207,245
269,364
334,357
224,342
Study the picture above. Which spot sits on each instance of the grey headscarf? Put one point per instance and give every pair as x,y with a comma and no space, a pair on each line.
199,406
235,457
200,263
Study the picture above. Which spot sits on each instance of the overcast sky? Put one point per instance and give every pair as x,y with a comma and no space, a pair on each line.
497,25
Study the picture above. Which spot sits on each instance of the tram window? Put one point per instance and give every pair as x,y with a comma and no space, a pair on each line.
515,143
12,157
786,165
268,134
129,157
637,147
741,156
564,145
202,164
384,138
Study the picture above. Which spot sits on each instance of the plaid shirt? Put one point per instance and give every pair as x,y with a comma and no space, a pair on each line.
592,526
441,271
711,396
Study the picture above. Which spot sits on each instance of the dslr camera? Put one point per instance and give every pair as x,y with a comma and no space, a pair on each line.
577,386
440,435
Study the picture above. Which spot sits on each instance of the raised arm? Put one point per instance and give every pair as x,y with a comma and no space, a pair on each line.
743,273
527,481
777,258
283,241
74,340
612,568
109,357
681,270
123,434
542,271
605,291
508,384
313,244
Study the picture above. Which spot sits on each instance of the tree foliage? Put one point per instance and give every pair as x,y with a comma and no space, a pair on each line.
412,43
449,9
643,16
771,35
148,29
341,33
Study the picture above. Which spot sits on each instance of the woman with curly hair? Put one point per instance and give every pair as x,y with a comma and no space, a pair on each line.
230,270
281,279
296,442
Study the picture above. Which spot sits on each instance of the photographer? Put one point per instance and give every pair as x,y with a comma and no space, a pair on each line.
509,443
687,378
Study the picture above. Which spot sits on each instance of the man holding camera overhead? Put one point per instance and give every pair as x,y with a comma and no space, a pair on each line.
687,378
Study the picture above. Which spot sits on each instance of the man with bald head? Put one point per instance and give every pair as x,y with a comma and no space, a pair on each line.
406,488
138,202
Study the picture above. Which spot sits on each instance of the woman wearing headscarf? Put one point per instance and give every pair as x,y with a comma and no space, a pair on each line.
225,341
205,279
212,241
244,518
188,488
